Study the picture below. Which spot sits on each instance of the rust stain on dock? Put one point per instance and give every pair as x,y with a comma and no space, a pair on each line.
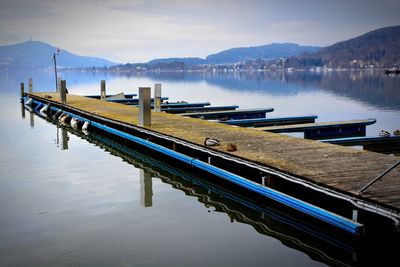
340,168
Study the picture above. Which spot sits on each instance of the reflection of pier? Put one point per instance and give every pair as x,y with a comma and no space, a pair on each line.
294,233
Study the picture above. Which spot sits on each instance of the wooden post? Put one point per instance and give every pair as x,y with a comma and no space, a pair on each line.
103,90
157,97
30,86
22,90
58,84
144,106
146,189
63,91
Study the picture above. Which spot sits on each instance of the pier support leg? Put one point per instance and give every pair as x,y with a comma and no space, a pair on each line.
64,138
22,90
63,92
157,97
31,120
146,189
144,106
30,85
103,90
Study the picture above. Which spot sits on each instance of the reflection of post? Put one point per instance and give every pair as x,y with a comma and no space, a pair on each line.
23,110
157,97
32,120
64,138
146,189
103,90
21,89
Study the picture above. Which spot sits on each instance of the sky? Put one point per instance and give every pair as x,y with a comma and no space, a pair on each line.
140,30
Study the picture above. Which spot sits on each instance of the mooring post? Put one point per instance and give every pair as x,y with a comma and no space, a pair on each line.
58,84
30,86
144,106
157,97
103,90
146,189
22,90
63,91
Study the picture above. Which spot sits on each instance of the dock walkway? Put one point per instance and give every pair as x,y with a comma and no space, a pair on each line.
335,167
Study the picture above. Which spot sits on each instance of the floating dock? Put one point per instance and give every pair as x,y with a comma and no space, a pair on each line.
334,171
271,121
324,129
199,109
389,144
231,114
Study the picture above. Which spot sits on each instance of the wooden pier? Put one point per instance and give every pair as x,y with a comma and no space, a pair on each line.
335,168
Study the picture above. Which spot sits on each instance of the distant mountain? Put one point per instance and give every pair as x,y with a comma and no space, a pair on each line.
270,51
186,60
380,48
34,54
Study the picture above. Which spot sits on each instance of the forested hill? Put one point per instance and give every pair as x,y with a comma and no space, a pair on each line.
380,48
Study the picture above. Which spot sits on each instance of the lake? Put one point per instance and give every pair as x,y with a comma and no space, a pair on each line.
72,200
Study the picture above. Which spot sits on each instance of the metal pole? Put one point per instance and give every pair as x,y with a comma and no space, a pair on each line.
144,106
63,91
157,97
379,176
55,70
103,90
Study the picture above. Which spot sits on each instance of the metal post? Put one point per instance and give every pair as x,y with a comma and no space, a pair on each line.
103,90
157,97
146,189
30,86
22,90
55,70
144,106
63,91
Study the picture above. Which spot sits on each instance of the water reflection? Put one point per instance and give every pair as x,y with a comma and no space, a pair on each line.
146,189
290,230
371,87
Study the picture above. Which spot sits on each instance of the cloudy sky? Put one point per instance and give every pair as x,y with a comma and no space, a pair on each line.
141,30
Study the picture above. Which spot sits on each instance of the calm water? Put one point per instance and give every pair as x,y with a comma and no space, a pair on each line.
87,201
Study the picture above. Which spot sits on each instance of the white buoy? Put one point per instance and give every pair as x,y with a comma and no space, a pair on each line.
28,102
43,110
85,126
74,123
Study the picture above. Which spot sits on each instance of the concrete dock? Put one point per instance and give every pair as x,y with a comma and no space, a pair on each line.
337,168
